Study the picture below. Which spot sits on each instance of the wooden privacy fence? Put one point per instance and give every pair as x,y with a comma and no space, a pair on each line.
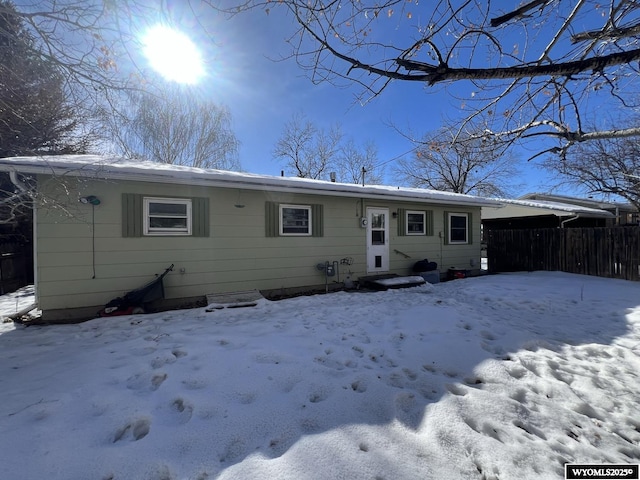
16,265
603,252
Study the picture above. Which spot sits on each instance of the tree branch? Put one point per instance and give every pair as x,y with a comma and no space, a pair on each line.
606,34
520,12
442,73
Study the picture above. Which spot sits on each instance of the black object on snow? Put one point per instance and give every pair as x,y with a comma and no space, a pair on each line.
424,266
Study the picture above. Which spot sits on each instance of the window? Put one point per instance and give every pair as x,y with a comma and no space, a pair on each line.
167,216
295,220
458,228
415,223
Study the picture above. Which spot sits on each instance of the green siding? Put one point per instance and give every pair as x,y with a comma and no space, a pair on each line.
234,256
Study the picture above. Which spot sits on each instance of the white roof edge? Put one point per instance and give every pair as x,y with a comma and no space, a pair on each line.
99,167
598,204
557,208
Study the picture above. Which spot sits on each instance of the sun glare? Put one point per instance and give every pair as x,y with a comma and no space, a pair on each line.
173,55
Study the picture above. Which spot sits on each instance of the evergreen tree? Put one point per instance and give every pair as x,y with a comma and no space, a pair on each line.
35,114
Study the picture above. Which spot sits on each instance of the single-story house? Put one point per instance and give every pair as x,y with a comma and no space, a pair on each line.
533,213
622,213
104,226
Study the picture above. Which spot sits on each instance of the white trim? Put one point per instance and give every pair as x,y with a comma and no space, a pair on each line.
377,253
466,231
109,168
297,207
151,231
424,222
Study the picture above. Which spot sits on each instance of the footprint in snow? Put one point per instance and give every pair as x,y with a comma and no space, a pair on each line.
142,381
158,380
138,429
183,408
359,386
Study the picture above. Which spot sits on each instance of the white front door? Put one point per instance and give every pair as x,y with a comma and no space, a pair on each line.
377,240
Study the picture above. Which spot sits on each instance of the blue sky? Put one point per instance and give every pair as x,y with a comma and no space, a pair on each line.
243,73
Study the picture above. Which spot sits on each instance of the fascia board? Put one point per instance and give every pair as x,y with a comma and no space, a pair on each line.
247,182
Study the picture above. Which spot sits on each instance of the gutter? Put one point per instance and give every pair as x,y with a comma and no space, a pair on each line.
250,183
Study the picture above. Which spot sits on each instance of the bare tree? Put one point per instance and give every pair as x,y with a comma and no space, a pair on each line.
537,69
352,161
175,126
308,151
464,163
91,43
610,167
312,152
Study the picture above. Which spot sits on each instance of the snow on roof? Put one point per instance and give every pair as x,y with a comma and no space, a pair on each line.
566,199
109,167
555,208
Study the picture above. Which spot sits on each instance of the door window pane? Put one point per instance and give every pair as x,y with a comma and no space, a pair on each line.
377,237
377,220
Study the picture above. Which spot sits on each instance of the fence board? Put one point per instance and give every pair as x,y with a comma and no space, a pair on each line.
16,265
600,251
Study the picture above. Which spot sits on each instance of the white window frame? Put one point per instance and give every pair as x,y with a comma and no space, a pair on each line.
150,231
281,223
424,222
466,231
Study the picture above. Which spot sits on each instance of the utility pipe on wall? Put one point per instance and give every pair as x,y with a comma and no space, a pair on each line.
569,220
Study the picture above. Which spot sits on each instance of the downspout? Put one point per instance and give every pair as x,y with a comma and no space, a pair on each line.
569,220
13,176
24,190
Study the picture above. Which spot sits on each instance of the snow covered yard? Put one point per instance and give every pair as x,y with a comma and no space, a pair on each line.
497,377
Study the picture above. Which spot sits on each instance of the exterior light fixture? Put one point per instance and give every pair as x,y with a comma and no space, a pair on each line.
90,199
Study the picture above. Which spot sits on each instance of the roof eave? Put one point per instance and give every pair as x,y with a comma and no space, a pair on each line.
250,183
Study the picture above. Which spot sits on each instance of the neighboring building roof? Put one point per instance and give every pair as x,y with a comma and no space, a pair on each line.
534,208
585,202
94,166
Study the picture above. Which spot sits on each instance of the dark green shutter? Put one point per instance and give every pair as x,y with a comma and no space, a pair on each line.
445,240
200,217
131,215
271,220
317,220
469,228
402,222
428,223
